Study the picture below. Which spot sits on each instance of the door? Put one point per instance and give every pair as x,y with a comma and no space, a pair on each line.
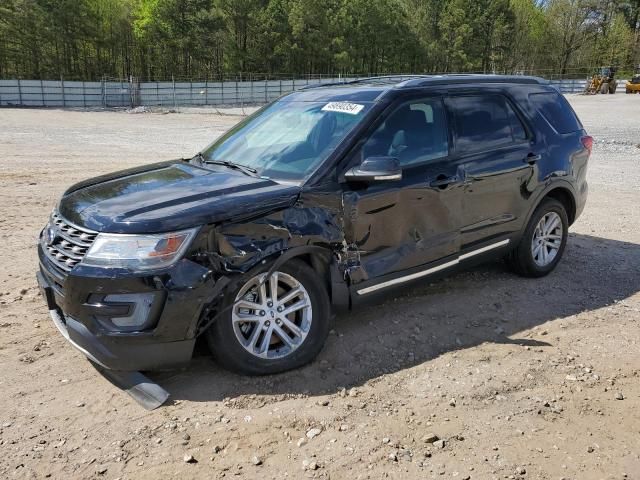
395,226
493,147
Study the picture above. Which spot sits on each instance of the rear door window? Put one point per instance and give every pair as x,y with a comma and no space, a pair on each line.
556,111
484,122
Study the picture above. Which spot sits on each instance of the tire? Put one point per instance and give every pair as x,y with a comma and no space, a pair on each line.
612,87
312,322
522,259
604,88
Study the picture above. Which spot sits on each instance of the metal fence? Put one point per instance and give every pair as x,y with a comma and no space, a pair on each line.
578,86
60,93
107,93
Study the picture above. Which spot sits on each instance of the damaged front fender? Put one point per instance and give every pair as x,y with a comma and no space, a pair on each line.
315,219
312,228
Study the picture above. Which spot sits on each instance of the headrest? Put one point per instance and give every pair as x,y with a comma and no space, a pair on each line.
406,119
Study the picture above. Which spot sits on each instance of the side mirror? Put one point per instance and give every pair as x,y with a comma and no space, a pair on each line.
375,169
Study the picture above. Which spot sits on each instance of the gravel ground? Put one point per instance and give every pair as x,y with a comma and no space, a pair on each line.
483,375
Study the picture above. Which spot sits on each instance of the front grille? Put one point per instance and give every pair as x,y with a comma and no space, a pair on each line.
67,245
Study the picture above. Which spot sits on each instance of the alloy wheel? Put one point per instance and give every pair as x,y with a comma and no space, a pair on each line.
272,316
547,239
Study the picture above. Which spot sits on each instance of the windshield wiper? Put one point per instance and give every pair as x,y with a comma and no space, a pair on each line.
252,172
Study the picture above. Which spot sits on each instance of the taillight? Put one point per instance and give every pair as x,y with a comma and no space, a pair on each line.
587,141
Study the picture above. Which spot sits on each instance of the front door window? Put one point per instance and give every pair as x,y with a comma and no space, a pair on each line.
415,133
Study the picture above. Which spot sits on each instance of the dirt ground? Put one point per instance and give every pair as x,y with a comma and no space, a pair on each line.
519,378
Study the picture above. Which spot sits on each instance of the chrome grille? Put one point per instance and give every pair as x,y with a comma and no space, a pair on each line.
67,244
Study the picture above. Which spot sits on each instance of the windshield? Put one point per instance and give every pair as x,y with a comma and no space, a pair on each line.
288,140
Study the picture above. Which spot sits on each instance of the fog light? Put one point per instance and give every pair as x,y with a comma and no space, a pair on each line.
140,307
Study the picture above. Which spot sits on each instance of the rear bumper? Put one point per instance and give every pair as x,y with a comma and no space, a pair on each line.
581,199
167,344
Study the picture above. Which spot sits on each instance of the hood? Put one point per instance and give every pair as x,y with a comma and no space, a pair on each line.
170,196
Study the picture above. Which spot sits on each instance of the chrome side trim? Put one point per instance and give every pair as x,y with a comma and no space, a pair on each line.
395,176
483,249
429,271
407,278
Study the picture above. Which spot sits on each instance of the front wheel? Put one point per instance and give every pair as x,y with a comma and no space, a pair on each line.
543,241
272,324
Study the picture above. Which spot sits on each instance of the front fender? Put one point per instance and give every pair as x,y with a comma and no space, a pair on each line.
312,227
242,246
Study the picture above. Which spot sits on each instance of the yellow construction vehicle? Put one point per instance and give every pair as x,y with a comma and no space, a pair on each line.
602,82
633,85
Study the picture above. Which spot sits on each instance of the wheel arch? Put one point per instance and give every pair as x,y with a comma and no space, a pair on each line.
322,260
566,198
560,191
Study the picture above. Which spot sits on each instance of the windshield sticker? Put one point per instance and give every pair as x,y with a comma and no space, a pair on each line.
344,107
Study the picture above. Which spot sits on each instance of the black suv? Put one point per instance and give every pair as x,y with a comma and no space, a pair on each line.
319,201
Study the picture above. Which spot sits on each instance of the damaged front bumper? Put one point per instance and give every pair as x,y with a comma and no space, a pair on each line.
171,302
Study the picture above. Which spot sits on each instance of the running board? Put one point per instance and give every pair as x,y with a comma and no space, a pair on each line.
429,271
148,394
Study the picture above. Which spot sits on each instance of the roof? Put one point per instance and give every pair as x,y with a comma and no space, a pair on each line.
408,81
372,88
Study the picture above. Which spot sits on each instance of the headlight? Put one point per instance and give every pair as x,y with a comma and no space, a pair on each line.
138,252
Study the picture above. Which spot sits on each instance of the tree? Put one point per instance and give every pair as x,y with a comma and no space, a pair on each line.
373,36
312,33
158,39
572,25
457,36
529,43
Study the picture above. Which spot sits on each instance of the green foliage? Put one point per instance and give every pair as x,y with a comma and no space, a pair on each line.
158,39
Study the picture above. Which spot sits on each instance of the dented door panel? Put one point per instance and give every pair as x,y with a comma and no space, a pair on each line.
401,225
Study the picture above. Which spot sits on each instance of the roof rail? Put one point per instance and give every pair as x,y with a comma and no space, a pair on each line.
379,79
417,80
477,78
399,78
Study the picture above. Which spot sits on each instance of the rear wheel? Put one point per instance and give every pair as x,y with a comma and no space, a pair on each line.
612,87
274,323
543,241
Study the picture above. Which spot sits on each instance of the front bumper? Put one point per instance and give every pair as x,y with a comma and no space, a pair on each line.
179,295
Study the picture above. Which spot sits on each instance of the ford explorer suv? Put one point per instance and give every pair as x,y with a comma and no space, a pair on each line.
320,201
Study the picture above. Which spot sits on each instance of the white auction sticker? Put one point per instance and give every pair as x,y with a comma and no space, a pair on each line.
344,107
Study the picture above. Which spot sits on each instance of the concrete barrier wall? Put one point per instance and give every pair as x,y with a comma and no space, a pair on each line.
47,93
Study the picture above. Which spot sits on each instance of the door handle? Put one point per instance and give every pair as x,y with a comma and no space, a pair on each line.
532,158
442,181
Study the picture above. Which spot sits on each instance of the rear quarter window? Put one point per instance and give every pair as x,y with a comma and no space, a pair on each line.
556,111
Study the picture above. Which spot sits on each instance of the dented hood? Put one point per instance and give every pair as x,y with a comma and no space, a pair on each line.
170,196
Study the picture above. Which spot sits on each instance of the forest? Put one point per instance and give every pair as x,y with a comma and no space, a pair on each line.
211,39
